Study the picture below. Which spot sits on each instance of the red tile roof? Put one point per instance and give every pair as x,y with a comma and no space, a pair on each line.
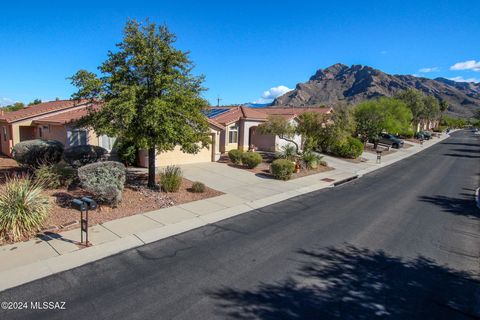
68,116
242,112
38,110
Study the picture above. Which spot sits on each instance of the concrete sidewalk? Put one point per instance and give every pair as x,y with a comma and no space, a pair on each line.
244,191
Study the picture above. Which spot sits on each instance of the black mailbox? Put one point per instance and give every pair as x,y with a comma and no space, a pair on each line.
92,204
79,205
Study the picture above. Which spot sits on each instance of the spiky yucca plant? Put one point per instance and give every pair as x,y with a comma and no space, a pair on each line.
23,208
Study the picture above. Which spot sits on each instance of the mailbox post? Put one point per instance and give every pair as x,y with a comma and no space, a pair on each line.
83,205
379,156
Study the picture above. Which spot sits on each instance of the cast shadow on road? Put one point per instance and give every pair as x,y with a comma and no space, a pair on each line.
460,155
460,206
355,283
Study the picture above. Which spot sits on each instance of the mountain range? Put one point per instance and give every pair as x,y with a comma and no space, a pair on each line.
342,84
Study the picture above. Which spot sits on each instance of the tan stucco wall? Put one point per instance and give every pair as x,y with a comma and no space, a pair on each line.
177,157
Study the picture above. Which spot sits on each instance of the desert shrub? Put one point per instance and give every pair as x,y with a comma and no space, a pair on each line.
55,176
34,153
126,151
104,180
78,156
407,134
23,208
288,152
311,159
235,156
198,187
282,169
251,159
171,179
323,163
350,148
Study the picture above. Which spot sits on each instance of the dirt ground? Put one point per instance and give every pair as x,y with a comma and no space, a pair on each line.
264,167
136,199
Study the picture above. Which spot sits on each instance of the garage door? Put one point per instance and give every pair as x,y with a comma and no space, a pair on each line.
177,157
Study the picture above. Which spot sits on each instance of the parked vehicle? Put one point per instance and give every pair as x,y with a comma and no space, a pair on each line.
423,135
391,140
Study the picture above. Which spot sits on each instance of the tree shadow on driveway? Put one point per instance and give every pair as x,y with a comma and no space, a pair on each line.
356,283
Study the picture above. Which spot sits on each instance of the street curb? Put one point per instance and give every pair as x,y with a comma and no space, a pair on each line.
343,181
477,197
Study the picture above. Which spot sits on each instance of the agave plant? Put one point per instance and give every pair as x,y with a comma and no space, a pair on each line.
23,208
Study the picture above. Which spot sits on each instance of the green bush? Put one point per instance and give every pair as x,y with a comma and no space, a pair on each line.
55,176
23,208
288,152
235,156
126,151
407,134
311,159
34,153
198,187
251,159
104,180
78,156
350,148
171,179
282,169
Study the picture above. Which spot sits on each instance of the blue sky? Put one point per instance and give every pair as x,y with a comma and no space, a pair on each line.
244,48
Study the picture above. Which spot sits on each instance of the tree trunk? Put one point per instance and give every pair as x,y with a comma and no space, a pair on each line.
151,167
293,142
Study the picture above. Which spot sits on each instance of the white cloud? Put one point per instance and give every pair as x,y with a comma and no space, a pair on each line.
426,70
6,101
466,65
269,95
461,79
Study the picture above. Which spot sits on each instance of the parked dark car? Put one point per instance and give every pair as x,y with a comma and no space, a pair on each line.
391,140
423,135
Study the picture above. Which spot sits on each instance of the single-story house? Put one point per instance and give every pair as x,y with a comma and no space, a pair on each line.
230,128
21,125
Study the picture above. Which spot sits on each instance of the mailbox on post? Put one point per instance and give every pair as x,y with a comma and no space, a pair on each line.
83,205
379,156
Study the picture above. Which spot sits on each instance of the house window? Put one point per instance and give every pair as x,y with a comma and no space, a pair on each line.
4,132
233,134
107,142
77,137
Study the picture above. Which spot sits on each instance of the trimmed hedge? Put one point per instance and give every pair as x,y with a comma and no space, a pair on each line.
34,153
78,156
251,159
282,169
235,156
104,180
350,148
55,176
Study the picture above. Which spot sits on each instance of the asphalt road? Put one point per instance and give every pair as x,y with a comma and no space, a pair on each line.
400,243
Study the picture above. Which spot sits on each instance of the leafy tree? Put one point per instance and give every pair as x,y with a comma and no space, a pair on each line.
424,108
34,102
337,128
309,126
385,114
14,107
281,127
149,94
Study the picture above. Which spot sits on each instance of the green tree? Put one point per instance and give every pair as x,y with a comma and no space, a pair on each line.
281,127
309,126
385,114
34,102
14,107
149,94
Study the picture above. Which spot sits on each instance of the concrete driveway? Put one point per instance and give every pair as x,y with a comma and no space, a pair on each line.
245,184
